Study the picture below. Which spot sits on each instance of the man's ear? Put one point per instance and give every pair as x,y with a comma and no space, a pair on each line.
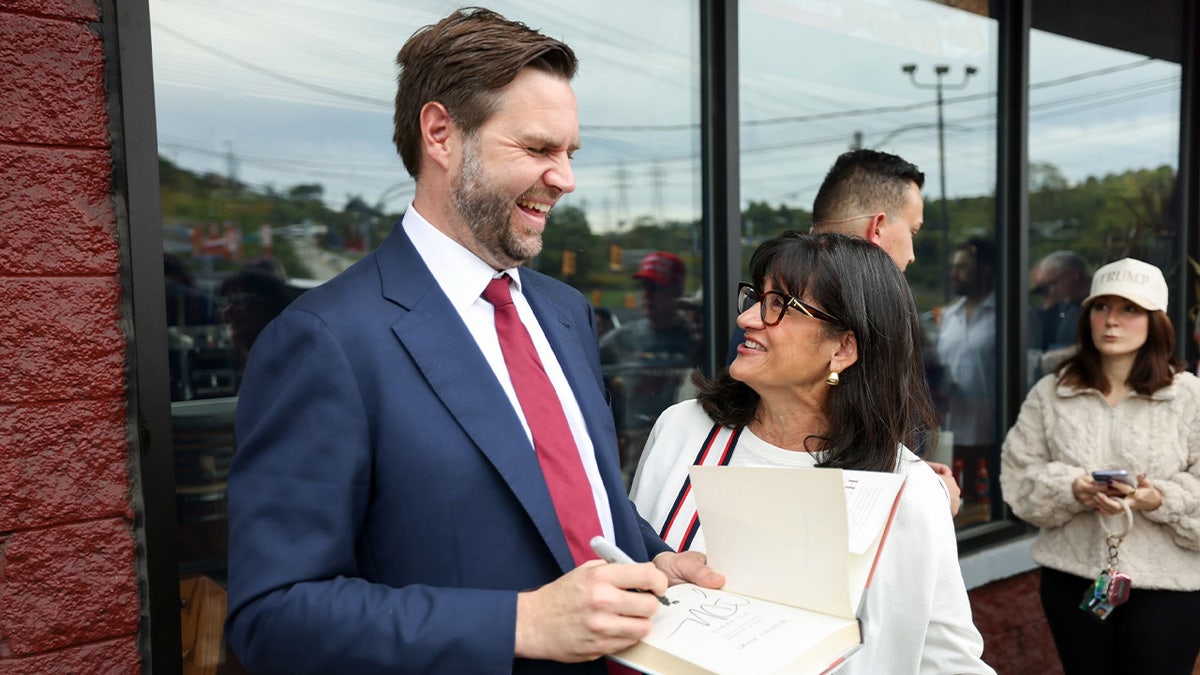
875,227
438,134
846,353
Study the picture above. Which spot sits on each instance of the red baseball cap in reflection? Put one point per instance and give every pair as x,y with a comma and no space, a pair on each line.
661,267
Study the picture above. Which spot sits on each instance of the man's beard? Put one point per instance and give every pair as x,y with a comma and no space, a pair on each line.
488,214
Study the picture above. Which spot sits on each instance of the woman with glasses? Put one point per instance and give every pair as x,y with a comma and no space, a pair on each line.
1123,402
830,375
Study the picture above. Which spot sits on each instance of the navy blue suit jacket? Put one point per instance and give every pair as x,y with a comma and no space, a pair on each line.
385,504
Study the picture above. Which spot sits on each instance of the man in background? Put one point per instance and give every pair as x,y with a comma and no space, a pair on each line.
662,335
966,348
1063,281
647,359
876,196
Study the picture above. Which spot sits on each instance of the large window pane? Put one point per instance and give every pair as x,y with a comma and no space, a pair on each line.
1103,162
913,78
278,171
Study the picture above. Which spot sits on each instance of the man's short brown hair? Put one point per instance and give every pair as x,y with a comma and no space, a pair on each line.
462,62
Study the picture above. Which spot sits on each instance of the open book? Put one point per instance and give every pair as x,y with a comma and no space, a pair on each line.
797,547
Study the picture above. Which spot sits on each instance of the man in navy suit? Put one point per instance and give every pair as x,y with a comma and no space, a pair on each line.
387,510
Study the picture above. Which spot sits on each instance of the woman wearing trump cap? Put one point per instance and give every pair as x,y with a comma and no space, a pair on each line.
1123,402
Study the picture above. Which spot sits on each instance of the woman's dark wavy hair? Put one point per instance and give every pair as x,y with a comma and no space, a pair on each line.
1154,367
883,399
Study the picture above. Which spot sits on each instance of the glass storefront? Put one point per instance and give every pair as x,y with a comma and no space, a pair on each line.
1103,167
277,171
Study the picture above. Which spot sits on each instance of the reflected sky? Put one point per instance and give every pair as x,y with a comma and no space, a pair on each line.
283,92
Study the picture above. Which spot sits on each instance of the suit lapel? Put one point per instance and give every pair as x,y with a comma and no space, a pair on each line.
447,355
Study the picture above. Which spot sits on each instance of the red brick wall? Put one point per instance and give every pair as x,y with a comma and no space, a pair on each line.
68,579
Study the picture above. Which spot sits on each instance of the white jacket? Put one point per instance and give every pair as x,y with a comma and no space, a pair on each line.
1063,433
917,618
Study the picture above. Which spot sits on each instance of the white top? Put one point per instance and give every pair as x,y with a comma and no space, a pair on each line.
967,349
463,276
916,618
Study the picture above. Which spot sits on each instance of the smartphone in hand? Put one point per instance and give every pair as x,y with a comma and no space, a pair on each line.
1113,476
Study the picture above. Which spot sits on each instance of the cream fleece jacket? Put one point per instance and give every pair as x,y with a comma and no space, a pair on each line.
1063,433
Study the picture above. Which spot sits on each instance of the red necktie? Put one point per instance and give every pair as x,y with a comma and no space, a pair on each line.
552,440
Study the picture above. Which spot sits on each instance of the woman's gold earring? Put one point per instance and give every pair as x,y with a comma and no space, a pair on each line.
833,379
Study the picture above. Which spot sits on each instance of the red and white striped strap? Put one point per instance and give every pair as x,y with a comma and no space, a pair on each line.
682,521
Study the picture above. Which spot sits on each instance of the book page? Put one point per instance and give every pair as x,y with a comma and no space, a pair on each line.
726,633
869,498
784,534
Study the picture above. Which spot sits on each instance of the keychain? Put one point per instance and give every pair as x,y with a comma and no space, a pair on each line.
1111,588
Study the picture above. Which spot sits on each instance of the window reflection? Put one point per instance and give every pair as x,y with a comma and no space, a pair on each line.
648,359
1094,106
275,153
916,79
1104,136
966,351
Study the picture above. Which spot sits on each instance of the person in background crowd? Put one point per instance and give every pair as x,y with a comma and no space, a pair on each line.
966,348
647,359
662,335
1122,402
830,374
1063,281
876,196
249,300
187,305
424,445
605,321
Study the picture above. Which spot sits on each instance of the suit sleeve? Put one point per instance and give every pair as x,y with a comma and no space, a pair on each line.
299,490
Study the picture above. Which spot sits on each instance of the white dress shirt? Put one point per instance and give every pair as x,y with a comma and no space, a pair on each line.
463,276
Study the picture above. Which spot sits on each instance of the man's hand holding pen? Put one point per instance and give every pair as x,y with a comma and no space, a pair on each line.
589,612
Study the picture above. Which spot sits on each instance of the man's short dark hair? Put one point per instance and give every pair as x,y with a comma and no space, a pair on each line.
981,250
865,182
462,62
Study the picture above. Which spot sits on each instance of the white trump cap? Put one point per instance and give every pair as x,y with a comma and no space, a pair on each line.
1131,279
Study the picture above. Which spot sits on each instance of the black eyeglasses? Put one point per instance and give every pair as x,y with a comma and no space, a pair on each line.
772,305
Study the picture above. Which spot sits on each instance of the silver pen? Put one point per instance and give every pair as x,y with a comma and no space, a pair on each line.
609,552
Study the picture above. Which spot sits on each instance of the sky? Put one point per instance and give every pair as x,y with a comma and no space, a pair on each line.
284,92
